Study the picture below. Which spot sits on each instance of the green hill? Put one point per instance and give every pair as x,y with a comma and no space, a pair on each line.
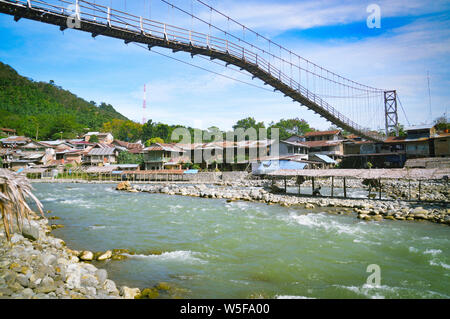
38,107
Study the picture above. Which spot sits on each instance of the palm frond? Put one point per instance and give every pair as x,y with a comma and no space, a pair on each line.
14,191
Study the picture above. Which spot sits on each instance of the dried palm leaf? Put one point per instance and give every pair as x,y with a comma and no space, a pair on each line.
14,191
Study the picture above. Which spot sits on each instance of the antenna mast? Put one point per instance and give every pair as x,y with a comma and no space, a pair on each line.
144,106
429,95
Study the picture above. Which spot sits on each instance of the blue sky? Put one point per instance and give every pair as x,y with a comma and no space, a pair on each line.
414,39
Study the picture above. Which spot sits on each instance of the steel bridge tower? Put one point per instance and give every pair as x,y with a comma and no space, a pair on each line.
390,112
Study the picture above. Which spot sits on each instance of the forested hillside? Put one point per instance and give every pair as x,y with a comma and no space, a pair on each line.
44,109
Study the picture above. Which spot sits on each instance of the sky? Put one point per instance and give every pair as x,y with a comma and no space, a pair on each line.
413,40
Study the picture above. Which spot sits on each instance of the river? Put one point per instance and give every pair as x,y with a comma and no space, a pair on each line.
214,249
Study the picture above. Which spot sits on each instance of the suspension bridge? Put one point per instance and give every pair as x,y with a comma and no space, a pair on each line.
320,90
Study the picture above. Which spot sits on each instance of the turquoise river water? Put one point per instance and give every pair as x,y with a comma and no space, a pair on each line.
215,249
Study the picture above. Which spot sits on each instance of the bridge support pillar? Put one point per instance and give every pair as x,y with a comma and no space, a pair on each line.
390,112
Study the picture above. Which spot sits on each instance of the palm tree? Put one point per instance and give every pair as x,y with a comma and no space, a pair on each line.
14,190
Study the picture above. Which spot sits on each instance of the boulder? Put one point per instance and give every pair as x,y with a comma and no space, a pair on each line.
110,287
73,276
106,255
46,286
88,280
148,293
123,186
49,259
129,293
16,238
23,280
101,275
27,293
30,230
419,211
86,255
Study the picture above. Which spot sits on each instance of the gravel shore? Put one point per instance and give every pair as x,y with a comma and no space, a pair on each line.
36,265
367,209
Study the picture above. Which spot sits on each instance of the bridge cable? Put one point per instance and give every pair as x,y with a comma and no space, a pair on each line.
267,39
204,69
404,113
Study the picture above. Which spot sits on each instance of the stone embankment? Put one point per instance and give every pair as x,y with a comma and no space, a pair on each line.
365,209
36,265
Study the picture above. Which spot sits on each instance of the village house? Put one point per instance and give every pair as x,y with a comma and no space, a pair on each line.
8,131
101,154
442,145
293,148
161,155
14,141
106,138
328,143
134,148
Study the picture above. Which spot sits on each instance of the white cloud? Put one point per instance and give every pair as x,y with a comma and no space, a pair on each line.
272,16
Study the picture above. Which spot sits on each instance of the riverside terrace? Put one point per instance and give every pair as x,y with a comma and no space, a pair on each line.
371,177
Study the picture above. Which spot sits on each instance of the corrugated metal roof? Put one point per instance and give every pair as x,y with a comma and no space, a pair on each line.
393,173
322,143
419,127
295,143
318,133
325,158
164,147
102,151
101,169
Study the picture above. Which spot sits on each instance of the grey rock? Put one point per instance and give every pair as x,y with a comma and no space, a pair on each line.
46,286
101,275
23,280
48,259
16,238
30,230
110,287
5,292
27,293
88,280
9,276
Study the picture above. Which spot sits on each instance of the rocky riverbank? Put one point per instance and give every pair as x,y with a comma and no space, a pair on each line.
36,265
365,209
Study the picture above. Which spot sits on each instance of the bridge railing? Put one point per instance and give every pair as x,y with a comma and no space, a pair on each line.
97,13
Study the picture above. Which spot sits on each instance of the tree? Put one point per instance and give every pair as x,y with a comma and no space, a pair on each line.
154,140
248,123
442,123
124,130
93,139
130,158
291,126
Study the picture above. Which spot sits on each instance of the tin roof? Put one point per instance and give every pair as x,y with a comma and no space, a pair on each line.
393,173
322,143
102,151
325,158
164,147
419,127
319,133
303,144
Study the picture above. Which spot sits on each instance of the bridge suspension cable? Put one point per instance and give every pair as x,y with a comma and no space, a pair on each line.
336,89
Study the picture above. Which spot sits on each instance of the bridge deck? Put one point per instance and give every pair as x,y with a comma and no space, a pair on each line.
152,33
